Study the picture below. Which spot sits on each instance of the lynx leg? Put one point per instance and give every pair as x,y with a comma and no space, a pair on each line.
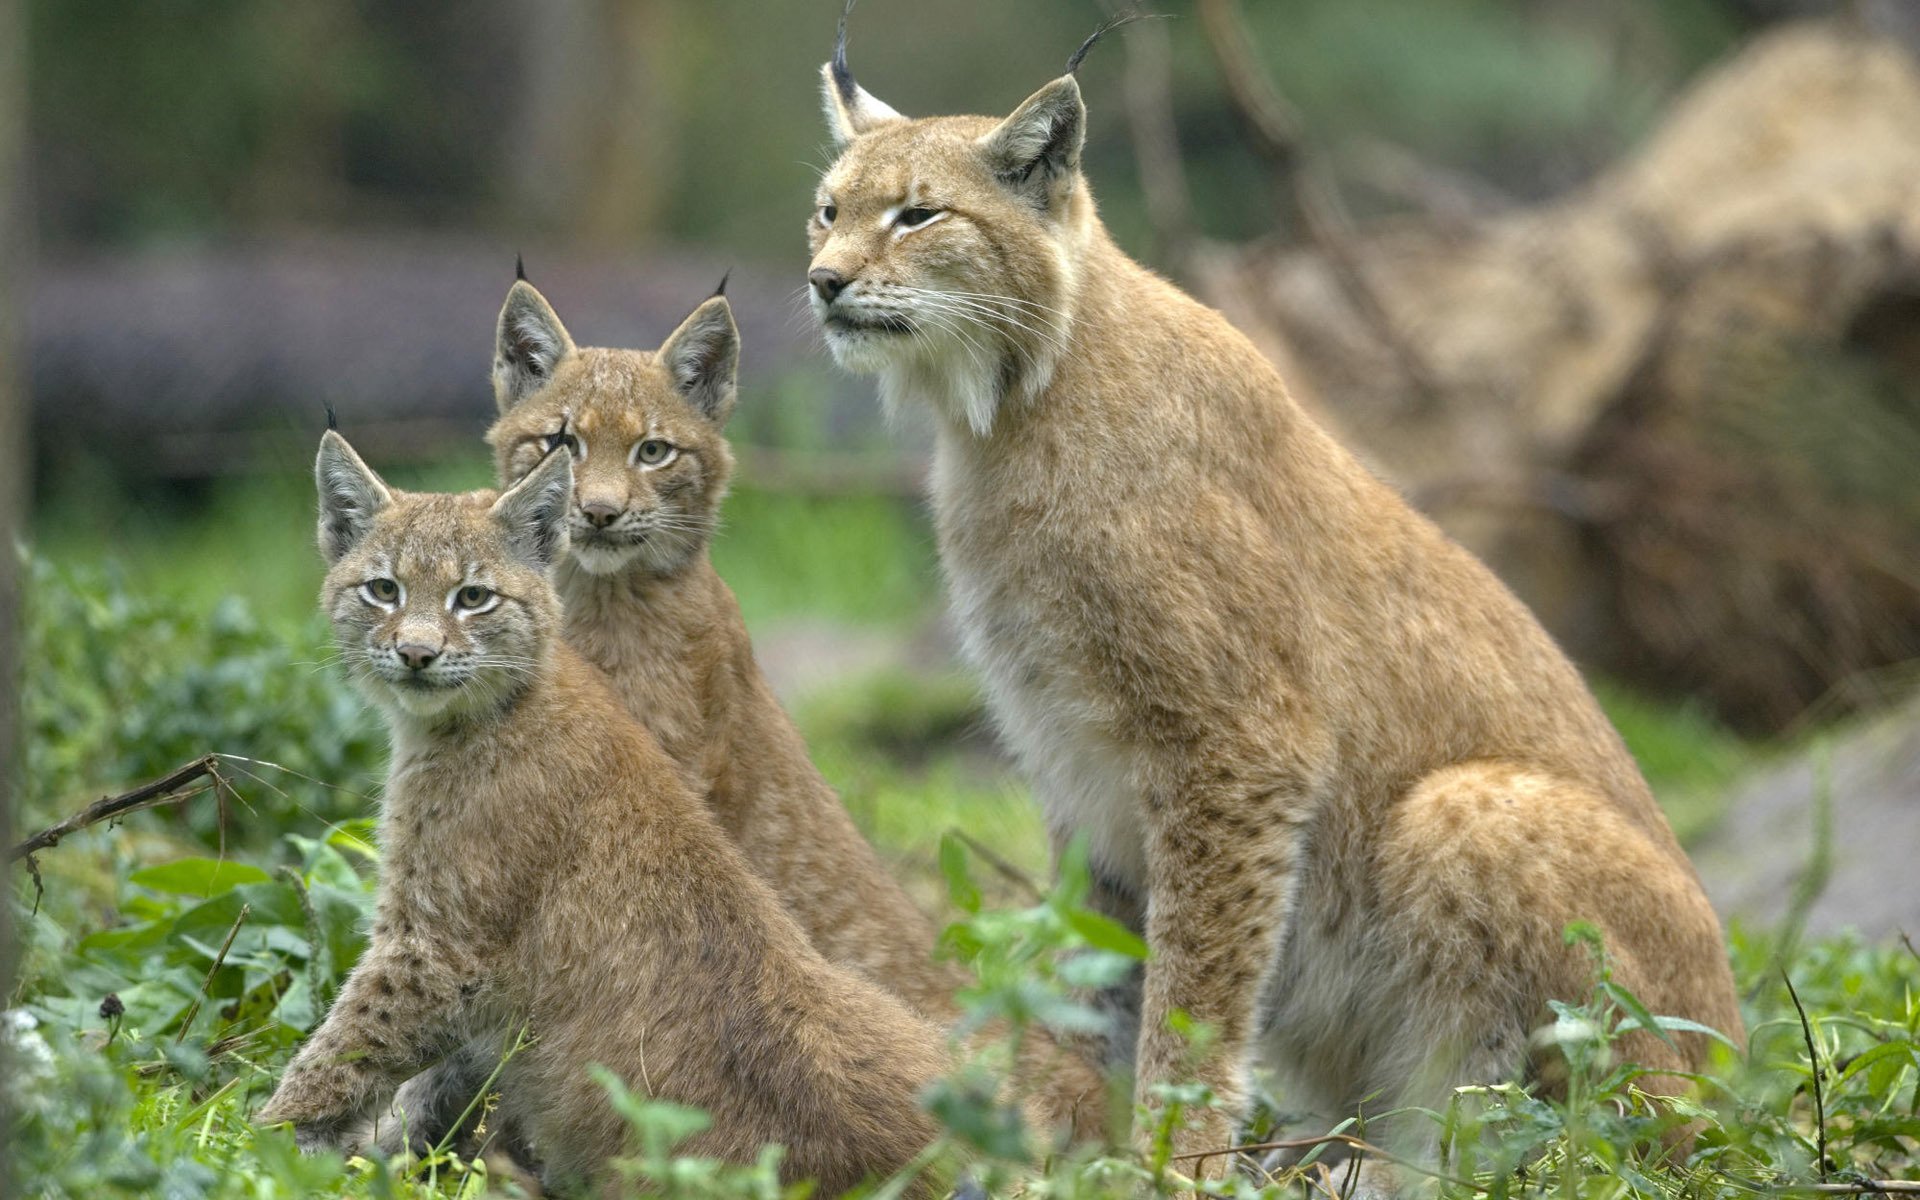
427,1108
404,1005
1217,907
1480,869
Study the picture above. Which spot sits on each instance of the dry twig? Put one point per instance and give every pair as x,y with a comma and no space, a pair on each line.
1819,1091
193,1010
1001,866
167,789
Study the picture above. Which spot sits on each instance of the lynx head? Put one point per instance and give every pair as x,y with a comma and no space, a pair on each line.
945,248
644,429
440,604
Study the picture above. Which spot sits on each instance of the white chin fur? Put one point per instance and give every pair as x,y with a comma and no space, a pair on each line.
602,560
865,353
419,703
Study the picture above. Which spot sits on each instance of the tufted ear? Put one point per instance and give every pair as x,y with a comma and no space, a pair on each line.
528,343
533,513
351,495
703,357
851,109
1036,151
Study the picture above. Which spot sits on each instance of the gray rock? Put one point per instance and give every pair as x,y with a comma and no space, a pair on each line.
1754,860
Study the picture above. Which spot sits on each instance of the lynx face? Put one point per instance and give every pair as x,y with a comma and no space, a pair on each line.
650,464
943,247
440,604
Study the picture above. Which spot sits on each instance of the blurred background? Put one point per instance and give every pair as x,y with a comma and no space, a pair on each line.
1625,294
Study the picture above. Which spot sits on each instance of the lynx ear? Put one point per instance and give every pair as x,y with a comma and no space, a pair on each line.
529,342
533,512
703,356
851,109
1036,151
351,495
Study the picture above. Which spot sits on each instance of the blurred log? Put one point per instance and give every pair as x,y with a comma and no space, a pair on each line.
1679,410
187,362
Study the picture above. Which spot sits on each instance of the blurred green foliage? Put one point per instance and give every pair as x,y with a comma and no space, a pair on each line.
695,120
151,1095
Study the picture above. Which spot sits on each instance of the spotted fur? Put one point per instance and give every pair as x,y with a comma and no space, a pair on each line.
1336,773
544,866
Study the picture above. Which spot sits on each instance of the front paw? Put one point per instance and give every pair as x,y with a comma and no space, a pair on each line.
315,1135
318,1125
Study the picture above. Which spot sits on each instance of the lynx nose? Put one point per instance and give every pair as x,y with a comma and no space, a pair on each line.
827,282
416,655
599,514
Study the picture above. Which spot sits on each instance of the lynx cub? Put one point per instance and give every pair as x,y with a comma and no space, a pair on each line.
644,603
1345,783
542,862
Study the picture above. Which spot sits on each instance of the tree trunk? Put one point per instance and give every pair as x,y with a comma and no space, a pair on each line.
13,492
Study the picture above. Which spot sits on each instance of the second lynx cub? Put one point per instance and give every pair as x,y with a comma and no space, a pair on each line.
543,863
644,603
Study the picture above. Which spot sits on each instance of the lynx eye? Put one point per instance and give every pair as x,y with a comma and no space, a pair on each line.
554,441
473,598
913,218
381,591
827,213
653,452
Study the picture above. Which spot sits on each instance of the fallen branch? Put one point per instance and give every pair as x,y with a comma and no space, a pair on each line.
165,790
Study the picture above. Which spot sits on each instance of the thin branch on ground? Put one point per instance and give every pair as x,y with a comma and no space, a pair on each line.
1819,1091
193,1010
1333,1139
1002,867
168,789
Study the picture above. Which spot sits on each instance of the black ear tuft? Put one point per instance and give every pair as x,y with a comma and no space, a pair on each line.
722,289
519,268
842,74
333,419
1103,29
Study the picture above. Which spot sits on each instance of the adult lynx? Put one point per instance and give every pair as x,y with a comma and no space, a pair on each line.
543,863
1342,779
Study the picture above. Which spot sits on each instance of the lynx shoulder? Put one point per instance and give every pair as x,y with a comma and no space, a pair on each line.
1337,774
544,867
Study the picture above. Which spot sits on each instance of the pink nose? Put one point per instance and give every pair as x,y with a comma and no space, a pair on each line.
416,655
599,514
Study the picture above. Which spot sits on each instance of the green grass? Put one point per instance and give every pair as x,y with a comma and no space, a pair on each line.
866,559
157,657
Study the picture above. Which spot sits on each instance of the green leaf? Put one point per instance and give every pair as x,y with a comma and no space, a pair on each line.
198,876
1905,1052
1105,933
960,885
1639,1016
